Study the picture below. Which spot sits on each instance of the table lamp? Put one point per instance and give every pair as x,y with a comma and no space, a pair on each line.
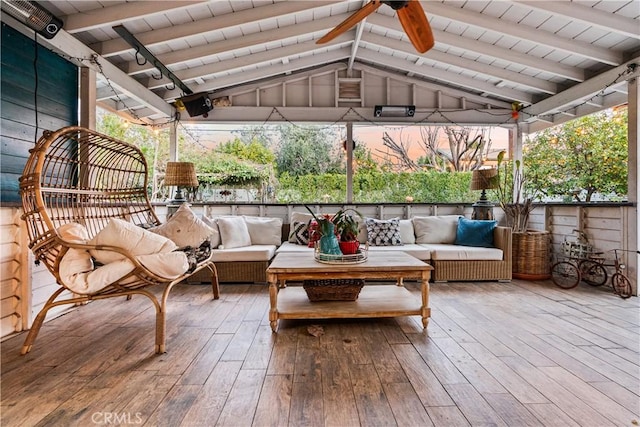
180,174
483,179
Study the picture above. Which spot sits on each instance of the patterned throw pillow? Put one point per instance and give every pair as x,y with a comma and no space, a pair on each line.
299,233
383,232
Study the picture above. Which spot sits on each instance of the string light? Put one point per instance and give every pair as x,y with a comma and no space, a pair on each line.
631,68
510,118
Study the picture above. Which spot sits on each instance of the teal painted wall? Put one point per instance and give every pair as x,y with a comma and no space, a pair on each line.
57,102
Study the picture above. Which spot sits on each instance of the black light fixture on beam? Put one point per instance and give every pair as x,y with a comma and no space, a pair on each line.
146,54
33,16
196,104
394,111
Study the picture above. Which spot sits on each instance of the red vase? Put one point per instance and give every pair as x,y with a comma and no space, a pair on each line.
350,247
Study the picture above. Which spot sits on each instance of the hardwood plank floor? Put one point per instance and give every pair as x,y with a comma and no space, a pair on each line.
501,354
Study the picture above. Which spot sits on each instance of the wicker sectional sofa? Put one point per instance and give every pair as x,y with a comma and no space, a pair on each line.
451,262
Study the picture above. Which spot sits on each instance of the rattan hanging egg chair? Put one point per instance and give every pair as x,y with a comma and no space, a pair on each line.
76,175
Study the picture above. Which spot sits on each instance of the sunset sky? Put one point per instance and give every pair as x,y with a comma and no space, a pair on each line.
371,136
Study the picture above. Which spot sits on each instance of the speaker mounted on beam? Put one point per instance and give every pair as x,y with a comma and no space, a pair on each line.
198,104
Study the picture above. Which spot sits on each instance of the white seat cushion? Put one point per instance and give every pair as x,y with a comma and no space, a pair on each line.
418,251
294,247
245,253
444,252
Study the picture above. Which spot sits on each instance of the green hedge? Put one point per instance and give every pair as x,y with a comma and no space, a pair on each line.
372,187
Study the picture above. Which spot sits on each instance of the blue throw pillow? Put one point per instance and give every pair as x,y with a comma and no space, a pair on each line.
472,232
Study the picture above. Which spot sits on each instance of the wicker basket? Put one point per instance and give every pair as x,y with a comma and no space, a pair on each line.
333,289
531,258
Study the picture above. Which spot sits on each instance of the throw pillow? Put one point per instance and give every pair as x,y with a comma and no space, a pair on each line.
214,238
300,217
435,229
76,261
184,228
73,232
383,232
299,233
406,232
130,237
233,232
362,232
264,231
473,232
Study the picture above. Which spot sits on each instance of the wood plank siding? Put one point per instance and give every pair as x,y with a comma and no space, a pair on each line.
499,354
31,77
36,86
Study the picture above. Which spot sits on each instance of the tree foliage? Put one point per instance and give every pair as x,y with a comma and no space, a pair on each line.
252,151
576,160
581,158
467,148
308,150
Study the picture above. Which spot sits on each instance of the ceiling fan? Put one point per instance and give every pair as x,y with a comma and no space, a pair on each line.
411,16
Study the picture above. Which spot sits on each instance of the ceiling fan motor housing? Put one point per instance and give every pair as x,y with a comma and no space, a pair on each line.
395,5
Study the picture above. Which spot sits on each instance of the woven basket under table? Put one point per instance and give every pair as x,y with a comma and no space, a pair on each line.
333,289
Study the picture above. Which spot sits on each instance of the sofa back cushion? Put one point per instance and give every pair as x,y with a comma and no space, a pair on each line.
264,231
435,229
407,234
234,232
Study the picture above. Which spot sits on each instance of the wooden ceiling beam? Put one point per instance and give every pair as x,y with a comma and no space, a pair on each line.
120,13
486,49
520,31
209,25
622,25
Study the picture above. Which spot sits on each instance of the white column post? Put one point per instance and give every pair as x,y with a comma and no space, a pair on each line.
633,193
87,98
349,145
173,141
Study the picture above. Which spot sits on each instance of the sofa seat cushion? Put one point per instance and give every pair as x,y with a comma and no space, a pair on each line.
294,247
418,251
443,252
245,253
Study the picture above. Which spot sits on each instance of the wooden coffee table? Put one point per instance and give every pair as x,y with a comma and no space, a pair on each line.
291,302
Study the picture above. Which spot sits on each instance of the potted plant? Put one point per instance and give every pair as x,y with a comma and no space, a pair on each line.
512,194
328,240
338,231
347,229
530,248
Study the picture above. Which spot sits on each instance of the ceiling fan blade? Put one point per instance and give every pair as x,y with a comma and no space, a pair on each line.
345,25
416,25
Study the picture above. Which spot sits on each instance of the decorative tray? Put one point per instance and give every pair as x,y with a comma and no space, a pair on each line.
357,258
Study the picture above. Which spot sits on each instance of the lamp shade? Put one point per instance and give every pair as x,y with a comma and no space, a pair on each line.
484,179
181,174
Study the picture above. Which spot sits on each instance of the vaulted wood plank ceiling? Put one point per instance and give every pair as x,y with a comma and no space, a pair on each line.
559,59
